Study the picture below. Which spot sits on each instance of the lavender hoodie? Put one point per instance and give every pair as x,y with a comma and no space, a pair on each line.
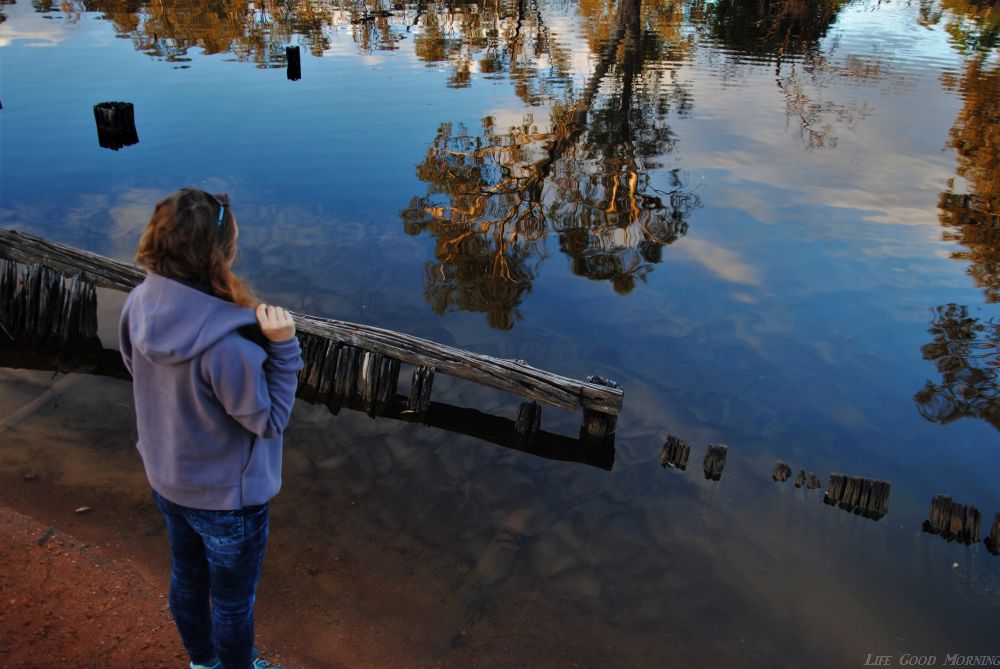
211,404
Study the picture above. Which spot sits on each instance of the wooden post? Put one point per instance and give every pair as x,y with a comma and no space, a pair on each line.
993,541
293,55
715,460
115,125
814,482
420,391
675,453
781,471
953,521
598,426
800,478
863,496
529,418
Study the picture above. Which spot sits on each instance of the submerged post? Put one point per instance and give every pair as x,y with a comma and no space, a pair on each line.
715,461
993,541
115,125
675,453
953,520
293,56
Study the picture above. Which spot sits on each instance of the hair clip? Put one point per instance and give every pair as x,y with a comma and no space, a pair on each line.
222,212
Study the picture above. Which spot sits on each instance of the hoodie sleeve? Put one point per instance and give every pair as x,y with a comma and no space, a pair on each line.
255,387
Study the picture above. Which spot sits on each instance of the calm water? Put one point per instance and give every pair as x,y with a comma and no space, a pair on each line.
775,223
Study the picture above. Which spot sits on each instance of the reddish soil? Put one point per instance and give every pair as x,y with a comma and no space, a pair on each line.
67,603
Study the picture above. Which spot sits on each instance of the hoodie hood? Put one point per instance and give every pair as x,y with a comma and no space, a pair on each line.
171,322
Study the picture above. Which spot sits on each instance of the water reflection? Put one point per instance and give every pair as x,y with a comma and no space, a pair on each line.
966,352
970,208
494,197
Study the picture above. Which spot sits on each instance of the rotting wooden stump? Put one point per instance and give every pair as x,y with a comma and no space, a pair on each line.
781,471
715,461
993,541
814,483
294,57
675,453
953,520
865,497
115,125
357,358
800,478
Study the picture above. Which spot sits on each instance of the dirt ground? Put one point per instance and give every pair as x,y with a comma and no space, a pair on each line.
67,603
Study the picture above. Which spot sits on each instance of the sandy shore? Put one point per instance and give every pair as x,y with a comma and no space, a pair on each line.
68,603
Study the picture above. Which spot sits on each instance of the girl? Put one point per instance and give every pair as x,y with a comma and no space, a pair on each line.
214,384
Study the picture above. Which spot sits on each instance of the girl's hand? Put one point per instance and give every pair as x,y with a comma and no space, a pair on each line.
275,322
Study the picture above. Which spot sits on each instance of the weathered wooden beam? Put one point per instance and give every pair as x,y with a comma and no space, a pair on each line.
781,471
508,375
92,358
800,478
27,249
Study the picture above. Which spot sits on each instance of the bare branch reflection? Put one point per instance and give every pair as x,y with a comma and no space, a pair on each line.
966,352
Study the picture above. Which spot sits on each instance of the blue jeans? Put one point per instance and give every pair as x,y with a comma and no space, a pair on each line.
217,556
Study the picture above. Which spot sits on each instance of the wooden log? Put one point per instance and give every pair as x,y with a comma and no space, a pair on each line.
993,541
800,478
675,453
529,418
814,482
94,359
294,57
28,249
715,461
781,472
511,376
115,125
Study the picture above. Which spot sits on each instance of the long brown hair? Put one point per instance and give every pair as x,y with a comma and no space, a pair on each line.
188,239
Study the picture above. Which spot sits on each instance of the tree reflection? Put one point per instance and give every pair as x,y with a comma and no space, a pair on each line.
493,198
788,33
966,352
970,209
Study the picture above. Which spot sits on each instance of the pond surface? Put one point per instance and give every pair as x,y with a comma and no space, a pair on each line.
775,223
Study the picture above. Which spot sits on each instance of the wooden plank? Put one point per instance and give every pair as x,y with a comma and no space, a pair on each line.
512,376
